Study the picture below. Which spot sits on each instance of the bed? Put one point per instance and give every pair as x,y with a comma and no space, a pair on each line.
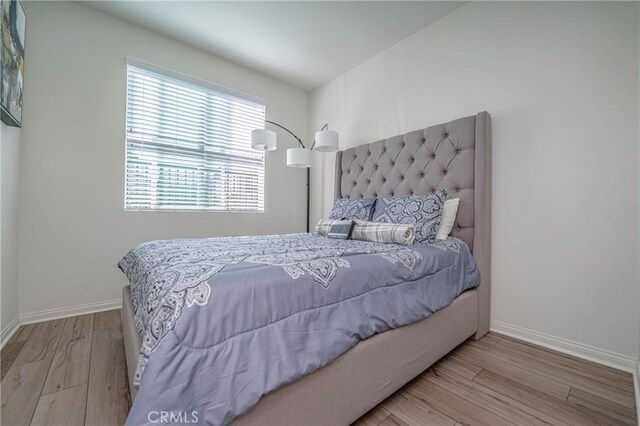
453,156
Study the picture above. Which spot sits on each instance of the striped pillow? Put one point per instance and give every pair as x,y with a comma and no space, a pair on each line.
325,226
396,233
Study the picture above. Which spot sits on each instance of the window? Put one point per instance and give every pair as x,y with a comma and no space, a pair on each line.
188,145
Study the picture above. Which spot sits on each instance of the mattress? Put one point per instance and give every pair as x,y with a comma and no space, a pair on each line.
224,321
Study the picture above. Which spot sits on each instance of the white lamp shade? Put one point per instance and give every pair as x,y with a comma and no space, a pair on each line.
264,140
298,157
326,141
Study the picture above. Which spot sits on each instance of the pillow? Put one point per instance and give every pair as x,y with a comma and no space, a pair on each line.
449,212
324,226
377,232
341,229
344,208
422,210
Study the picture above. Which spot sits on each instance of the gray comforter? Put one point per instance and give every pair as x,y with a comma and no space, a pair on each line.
226,320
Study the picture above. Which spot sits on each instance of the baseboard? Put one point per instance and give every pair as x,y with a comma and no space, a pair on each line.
9,331
570,347
51,314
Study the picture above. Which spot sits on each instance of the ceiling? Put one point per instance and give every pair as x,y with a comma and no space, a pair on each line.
305,43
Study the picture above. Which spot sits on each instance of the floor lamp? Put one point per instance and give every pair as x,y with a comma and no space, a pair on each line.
300,157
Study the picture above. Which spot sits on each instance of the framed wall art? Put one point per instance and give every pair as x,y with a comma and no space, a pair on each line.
13,33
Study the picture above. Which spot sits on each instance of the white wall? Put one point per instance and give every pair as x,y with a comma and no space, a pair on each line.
561,83
637,372
9,161
73,228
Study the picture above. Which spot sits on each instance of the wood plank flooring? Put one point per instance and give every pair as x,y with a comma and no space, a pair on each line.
66,372
73,372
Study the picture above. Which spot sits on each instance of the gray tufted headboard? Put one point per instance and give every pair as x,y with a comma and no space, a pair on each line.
454,155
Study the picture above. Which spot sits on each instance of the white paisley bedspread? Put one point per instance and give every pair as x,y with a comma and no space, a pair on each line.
226,320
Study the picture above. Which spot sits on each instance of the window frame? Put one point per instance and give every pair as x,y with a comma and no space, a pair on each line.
203,85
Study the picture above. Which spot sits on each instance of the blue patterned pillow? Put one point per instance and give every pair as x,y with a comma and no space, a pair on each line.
424,211
346,209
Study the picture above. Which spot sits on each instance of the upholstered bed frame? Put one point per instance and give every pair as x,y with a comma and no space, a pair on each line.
456,156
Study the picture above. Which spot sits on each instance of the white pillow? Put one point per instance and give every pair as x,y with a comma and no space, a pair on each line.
449,212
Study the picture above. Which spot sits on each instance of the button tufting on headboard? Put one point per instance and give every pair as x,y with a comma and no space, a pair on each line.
419,162
463,148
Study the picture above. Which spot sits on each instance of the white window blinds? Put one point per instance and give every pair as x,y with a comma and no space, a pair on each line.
188,145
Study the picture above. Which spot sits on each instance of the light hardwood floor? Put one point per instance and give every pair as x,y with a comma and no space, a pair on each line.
72,372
